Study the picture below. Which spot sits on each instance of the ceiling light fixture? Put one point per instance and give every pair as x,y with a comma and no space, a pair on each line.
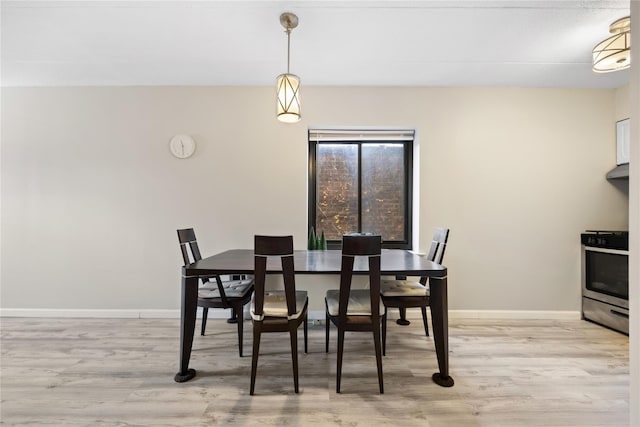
288,85
614,53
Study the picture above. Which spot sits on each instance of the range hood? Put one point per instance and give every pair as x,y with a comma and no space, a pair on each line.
619,172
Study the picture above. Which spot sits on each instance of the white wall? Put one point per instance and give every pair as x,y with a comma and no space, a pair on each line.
91,196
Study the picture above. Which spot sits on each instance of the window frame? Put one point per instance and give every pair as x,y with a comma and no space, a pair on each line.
408,148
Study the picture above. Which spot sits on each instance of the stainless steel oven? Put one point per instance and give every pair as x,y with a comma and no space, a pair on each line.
605,278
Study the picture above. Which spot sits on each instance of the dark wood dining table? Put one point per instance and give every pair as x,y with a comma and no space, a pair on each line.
395,262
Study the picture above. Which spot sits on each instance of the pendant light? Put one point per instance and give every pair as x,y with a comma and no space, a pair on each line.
614,53
288,85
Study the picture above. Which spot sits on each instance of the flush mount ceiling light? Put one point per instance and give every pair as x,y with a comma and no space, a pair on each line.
614,53
288,85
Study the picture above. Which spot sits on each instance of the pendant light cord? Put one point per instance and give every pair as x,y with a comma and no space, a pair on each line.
288,31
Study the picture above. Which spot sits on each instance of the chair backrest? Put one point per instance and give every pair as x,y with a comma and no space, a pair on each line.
438,245
360,245
189,246
274,246
191,253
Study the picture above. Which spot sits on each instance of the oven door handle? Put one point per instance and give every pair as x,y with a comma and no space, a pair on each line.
606,251
619,313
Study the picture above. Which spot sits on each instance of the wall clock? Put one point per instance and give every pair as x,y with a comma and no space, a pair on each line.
182,146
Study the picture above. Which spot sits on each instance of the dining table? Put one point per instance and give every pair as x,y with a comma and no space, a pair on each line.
394,262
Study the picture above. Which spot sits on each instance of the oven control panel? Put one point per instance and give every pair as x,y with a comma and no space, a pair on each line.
606,239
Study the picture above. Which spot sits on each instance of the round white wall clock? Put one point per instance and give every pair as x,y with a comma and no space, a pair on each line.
182,146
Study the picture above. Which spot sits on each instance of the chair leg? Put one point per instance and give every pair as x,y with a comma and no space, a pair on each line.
376,342
327,321
254,358
340,352
305,330
384,334
293,333
205,313
240,328
424,320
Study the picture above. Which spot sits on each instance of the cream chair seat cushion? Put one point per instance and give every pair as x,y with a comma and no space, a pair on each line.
275,305
232,289
403,288
359,302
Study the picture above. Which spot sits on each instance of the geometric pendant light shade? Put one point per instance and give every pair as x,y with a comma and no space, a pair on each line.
614,53
288,85
288,98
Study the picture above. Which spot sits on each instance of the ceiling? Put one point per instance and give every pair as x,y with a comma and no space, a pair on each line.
537,43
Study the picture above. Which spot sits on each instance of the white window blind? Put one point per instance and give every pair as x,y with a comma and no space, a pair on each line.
328,135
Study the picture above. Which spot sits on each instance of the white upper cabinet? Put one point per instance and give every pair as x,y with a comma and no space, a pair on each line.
622,141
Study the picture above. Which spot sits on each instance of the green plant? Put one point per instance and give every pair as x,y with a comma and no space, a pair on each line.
323,242
315,242
312,241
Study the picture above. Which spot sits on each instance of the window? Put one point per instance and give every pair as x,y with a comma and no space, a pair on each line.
360,182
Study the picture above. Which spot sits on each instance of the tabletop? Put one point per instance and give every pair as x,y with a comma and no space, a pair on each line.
241,261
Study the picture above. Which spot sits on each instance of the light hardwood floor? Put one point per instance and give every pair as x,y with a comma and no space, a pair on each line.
119,372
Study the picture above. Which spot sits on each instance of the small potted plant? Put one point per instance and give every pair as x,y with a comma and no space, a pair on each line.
315,242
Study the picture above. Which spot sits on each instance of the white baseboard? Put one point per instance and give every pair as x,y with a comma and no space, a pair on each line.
89,313
313,314
515,314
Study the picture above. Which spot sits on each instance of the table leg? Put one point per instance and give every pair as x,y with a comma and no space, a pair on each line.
189,305
233,317
403,317
403,311
440,320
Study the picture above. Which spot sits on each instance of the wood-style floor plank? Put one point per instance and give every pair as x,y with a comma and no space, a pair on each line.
119,372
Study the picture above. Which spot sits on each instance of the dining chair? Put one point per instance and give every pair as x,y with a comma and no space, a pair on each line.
233,294
277,310
356,309
405,293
